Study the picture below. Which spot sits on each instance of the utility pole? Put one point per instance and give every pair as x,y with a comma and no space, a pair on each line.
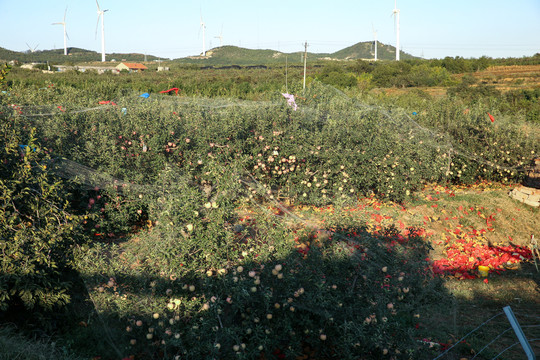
305,63
286,75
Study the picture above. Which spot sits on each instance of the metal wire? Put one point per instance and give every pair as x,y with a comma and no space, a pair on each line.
472,331
491,342
498,336
511,346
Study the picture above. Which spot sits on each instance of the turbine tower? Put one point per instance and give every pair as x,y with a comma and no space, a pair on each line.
375,40
63,23
101,13
395,13
203,27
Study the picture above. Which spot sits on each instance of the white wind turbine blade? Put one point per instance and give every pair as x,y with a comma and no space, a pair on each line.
201,25
97,24
66,36
220,37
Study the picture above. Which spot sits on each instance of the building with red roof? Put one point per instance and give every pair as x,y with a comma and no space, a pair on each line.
131,67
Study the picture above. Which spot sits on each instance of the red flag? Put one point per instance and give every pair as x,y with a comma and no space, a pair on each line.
107,102
491,117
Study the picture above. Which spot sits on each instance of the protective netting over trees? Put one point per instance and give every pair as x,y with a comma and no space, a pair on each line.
330,147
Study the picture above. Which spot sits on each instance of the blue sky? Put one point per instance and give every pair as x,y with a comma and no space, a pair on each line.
171,29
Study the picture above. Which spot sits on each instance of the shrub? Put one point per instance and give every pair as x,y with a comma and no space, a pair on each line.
390,74
3,73
37,232
335,75
473,93
360,67
348,292
425,75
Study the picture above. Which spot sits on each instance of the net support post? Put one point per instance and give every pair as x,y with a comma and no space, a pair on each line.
519,333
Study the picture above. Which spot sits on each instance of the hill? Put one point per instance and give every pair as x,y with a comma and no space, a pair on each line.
233,55
75,55
225,55
364,50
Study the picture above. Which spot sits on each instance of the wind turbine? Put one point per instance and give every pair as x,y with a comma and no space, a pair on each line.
63,23
375,39
203,27
101,13
30,48
395,13
220,37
